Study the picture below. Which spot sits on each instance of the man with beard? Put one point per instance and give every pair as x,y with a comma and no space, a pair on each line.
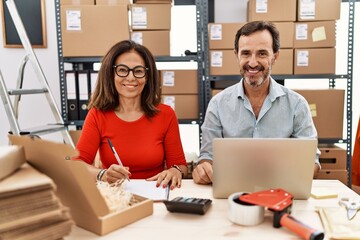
257,106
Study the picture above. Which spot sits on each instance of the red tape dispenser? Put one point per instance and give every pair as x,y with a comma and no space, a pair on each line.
280,202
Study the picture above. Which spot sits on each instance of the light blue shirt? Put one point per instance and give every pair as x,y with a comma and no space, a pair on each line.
284,114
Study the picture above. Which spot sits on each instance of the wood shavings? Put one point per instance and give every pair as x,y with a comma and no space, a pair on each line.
115,196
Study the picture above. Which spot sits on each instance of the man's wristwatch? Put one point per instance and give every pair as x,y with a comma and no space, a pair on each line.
178,168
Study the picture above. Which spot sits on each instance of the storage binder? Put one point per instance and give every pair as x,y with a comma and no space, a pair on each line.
71,96
84,92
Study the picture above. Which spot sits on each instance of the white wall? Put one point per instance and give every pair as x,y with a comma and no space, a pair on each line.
183,36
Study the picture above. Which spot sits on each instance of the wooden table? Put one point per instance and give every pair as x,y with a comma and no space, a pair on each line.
215,224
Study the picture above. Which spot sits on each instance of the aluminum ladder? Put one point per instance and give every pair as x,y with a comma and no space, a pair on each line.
12,109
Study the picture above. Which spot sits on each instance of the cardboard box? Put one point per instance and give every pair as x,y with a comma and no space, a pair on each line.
179,81
286,30
77,2
76,186
185,106
11,158
341,175
146,16
223,62
284,64
318,10
327,109
84,35
152,1
332,157
222,35
314,61
112,2
274,10
314,34
158,42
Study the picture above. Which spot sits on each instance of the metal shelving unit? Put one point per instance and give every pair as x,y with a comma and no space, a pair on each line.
78,62
208,79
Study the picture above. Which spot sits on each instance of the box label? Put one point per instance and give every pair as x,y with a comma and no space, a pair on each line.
301,31
261,6
137,37
216,32
169,78
216,59
303,58
170,100
73,20
307,9
313,110
139,17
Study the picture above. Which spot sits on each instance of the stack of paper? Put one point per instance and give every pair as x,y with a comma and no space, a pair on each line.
29,208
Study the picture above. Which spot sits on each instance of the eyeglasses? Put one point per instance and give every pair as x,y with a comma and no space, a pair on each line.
123,71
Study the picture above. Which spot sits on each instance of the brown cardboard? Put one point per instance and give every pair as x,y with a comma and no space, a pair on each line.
185,106
314,34
215,91
97,34
152,1
332,157
274,10
223,62
77,2
314,61
179,82
327,109
284,64
76,187
158,42
286,30
146,16
341,175
222,35
11,158
112,2
318,10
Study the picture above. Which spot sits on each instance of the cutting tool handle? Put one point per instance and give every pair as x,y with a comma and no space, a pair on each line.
299,228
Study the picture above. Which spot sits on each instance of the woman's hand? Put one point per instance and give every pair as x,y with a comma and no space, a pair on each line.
171,175
115,173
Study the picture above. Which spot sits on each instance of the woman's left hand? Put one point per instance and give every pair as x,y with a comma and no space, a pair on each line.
171,175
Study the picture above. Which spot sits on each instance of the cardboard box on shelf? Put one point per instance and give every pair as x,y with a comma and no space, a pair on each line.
112,2
327,109
314,61
152,1
222,35
223,62
77,2
314,34
158,42
76,186
318,10
179,81
341,175
84,35
284,64
147,17
286,30
275,10
332,157
185,106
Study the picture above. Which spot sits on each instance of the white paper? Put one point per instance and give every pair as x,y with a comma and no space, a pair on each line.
216,32
170,100
137,37
303,58
139,17
147,189
73,20
261,6
307,9
169,79
301,31
216,59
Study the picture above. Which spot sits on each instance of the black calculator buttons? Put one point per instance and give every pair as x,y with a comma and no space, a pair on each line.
188,205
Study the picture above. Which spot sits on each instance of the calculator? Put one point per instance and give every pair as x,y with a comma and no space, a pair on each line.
188,205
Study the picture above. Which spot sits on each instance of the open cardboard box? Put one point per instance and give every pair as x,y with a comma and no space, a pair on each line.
76,187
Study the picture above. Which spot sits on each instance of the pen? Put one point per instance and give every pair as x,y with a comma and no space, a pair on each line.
116,155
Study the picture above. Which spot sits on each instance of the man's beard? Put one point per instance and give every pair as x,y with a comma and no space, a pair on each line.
255,81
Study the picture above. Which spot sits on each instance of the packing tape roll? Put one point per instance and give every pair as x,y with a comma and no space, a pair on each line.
243,213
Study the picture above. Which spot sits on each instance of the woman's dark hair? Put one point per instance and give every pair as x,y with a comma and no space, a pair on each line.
255,26
106,97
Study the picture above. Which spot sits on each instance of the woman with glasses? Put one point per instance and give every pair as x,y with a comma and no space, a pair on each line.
137,136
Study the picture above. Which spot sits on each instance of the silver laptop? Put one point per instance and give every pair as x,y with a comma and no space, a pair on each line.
254,164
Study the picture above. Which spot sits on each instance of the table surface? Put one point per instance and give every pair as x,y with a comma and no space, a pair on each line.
215,223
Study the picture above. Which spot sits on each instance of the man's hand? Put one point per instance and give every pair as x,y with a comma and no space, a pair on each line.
203,172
